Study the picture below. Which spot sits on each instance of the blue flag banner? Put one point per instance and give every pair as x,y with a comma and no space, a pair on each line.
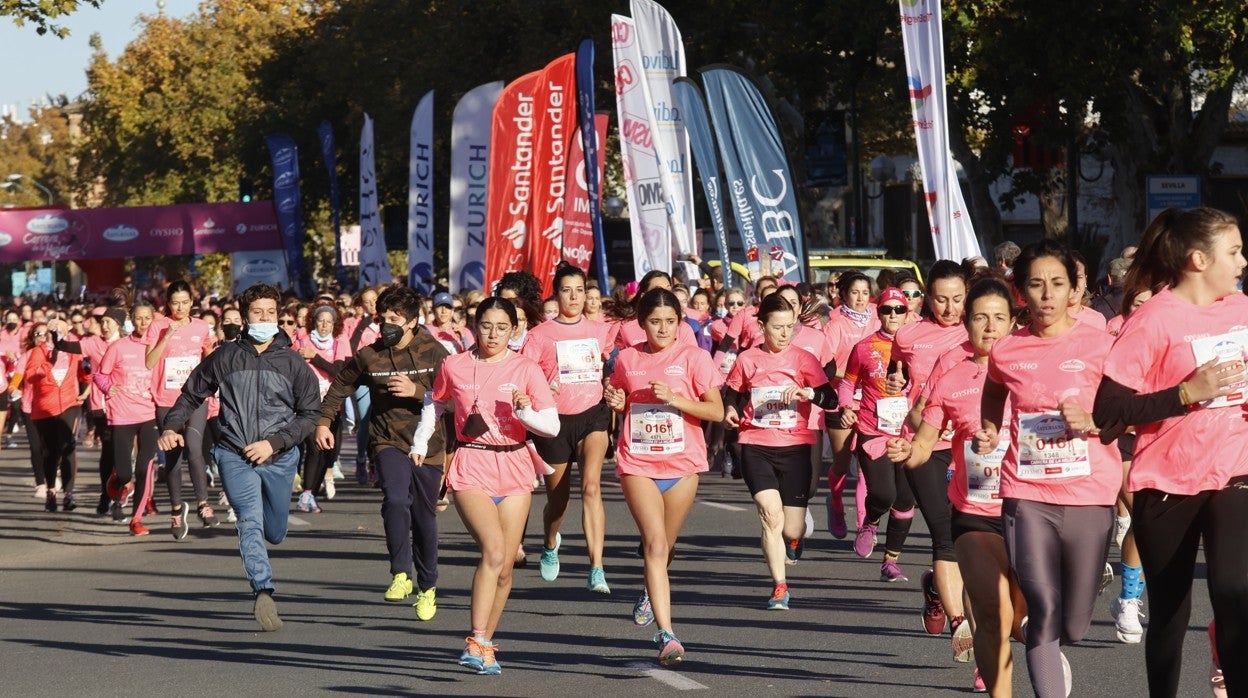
470,181
325,134
374,265
285,158
593,151
420,199
690,103
756,169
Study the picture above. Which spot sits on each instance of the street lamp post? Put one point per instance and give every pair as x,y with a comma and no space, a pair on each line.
14,178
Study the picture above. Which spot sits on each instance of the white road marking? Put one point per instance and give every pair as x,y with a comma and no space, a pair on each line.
671,678
296,521
721,505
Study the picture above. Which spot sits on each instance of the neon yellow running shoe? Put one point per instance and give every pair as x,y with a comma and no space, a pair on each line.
426,603
400,588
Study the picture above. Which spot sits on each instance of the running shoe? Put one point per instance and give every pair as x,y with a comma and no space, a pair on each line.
331,489
643,614
793,551
489,663
474,654
230,516
49,502
779,600
223,500
266,611
303,505
1122,524
810,524
890,571
118,510
963,643
1127,614
137,528
178,525
426,603
598,581
338,471
1066,674
297,486
550,560
670,649
400,588
207,516
41,491
978,686
103,506
313,507
836,524
1107,578
69,504
864,542
933,610
361,473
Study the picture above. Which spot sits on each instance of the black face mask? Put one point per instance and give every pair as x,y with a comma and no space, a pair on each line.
475,425
391,334
11,326
231,331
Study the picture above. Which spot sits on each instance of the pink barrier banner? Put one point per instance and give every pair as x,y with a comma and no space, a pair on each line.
140,231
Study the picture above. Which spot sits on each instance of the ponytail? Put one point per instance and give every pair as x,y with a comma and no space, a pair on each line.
1169,240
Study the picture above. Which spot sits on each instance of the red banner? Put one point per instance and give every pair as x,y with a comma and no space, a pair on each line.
512,146
141,231
578,230
556,100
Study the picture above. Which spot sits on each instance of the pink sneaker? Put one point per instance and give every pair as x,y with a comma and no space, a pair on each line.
864,542
978,686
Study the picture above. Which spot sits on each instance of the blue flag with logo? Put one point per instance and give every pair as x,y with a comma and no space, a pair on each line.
689,100
285,158
589,142
420,199
325,133
756,168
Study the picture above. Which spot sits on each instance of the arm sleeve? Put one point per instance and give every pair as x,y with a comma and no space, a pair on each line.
825,397
1118,407
430,415
541,422
331,368
732,398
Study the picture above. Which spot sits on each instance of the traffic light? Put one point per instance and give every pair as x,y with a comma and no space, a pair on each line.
246,190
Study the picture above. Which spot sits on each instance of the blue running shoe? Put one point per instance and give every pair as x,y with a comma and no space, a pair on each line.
598,581
670,649
779,600
793,550
550,560
474,654
643,614
489,664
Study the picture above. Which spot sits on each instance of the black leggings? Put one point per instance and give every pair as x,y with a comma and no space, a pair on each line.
103,432
887,489
316,461
931,492
194,449
1168,530
56,434
36,447
132,464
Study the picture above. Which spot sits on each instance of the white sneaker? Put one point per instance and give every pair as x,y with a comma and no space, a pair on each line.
223,500
1066,674
338,471
810,524
41,491
1122,525
297,487
330,488
231,517
1127,616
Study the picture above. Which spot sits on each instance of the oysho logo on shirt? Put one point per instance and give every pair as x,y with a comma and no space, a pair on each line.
467,386
1072,366
674,370
956,395
635,373
507,388
1023,366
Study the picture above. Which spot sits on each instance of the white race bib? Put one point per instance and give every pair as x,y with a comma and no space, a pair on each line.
580,361
656,429
1227,348
769,409
890,414
58,374
983,473
178,369
1048,449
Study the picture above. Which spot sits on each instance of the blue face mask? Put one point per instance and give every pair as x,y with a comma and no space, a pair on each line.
261,332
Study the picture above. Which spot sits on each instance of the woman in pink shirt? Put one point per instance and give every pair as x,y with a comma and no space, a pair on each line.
325,349
126,382
497,394
664,390
954,398
1176,373
1058,482
632,333
767,398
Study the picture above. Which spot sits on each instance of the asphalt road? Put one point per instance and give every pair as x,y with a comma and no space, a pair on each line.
88,610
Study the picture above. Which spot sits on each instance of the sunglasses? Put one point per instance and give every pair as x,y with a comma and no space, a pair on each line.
40,334
735,304
886,310
289,322
912,294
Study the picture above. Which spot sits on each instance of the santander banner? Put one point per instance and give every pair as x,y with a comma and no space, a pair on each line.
513,137
140,231
578,227
556,102
470,180
921,32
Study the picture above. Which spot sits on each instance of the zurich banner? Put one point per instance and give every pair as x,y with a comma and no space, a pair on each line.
325,134
689,100
470,182
420,199
760,186
285,158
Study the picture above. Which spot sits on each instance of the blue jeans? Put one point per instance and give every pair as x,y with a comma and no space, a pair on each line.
260,496
362,401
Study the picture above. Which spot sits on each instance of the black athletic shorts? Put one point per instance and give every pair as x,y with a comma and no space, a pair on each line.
573,428
782,468
961,523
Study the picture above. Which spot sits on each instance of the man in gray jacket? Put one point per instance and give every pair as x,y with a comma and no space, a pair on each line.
269,404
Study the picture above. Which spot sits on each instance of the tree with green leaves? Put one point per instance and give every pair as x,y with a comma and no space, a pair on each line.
41,14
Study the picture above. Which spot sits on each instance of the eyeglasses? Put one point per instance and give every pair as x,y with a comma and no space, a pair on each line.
912,294
886,310
288,322
488,330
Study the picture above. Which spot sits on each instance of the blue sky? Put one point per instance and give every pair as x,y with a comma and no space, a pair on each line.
32,66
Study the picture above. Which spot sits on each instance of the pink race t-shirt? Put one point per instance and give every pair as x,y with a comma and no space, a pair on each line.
1114,325
1046,462
1091,318
338,349
656,440
844,334
813,340
919,346
954,398
762,376
1204,448
487,388
124,370
186,347
93,347
571,355
632,334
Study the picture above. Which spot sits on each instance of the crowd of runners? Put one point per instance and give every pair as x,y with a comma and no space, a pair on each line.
1031,422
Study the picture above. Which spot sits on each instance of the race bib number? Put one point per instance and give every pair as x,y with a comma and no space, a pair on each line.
1229,349
890,414
58,375
983,473
727,362
1048,449
178,369
656,429
580,361
770,411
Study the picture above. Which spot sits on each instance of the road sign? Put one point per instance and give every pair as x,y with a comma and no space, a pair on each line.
1172,191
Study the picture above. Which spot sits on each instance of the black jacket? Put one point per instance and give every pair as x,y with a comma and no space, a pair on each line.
272,396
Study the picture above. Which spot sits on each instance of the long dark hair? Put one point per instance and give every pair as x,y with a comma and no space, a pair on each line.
1167,242
1036,250
657,298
